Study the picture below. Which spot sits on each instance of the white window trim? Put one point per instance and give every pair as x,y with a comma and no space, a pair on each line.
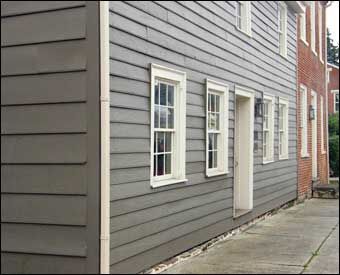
329,70
284,101
283,47
322,125
178,77
223,90
313,27
247,18
320,20
271,116
304,121
335,92
304,24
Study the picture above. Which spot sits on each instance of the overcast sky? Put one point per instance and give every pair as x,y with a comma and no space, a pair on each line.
333,20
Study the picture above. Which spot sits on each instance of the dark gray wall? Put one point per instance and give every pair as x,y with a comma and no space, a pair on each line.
49,137
150,225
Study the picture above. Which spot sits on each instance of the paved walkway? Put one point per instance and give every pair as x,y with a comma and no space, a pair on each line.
303,239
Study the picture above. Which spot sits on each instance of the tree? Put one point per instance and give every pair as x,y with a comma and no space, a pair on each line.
332,50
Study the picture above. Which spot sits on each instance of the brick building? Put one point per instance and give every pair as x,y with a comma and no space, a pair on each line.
333,88
312,98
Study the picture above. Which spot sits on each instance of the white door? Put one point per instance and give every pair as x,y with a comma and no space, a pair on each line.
243,152
315,137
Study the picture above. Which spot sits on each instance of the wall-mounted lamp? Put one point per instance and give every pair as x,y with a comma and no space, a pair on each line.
258,107
311,112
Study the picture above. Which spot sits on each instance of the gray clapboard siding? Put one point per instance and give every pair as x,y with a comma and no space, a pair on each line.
43,209
149,225
58,25
10,8
46,119
43,239
47,264
49,137
47,88
44,179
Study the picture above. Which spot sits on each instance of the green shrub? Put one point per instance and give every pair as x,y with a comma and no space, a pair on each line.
334,155
333,124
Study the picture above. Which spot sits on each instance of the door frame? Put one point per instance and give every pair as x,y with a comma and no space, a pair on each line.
250,94
314,103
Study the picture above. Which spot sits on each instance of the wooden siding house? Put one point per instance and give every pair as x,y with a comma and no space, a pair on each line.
132,131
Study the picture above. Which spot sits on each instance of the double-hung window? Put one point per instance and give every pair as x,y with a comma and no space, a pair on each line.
168,99
303,121
336,101
303,27
268,128
312,26
320,16
283,128
243,16
282,28
216,128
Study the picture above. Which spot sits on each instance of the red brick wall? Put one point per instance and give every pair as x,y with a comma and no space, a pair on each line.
332,85
311,73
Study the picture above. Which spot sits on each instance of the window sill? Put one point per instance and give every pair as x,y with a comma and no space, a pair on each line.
305,156
324,152
244,32
157,184
305,42
316,54
216,173
284,158
267,161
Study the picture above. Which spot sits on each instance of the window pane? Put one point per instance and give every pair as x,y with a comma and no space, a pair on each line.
156,93
217,122
160,165
217,103
163,116
156,117
210,165
168,142
213,103
163,94
209,121
210,142
160,142
213,121
209,102
168,164
155,143
171,95
155,165
215,159
215,141
170,118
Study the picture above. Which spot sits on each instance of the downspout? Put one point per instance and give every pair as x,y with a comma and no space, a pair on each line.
105,137
329,3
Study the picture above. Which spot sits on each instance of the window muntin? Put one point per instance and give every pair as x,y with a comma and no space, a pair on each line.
217,128
283,128
312,26
303,121
268,129
164,130
320,16
243,16
168,99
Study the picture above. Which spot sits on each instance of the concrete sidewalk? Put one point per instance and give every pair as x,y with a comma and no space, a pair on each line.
303,239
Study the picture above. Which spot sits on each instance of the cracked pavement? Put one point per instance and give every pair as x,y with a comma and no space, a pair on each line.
303,239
